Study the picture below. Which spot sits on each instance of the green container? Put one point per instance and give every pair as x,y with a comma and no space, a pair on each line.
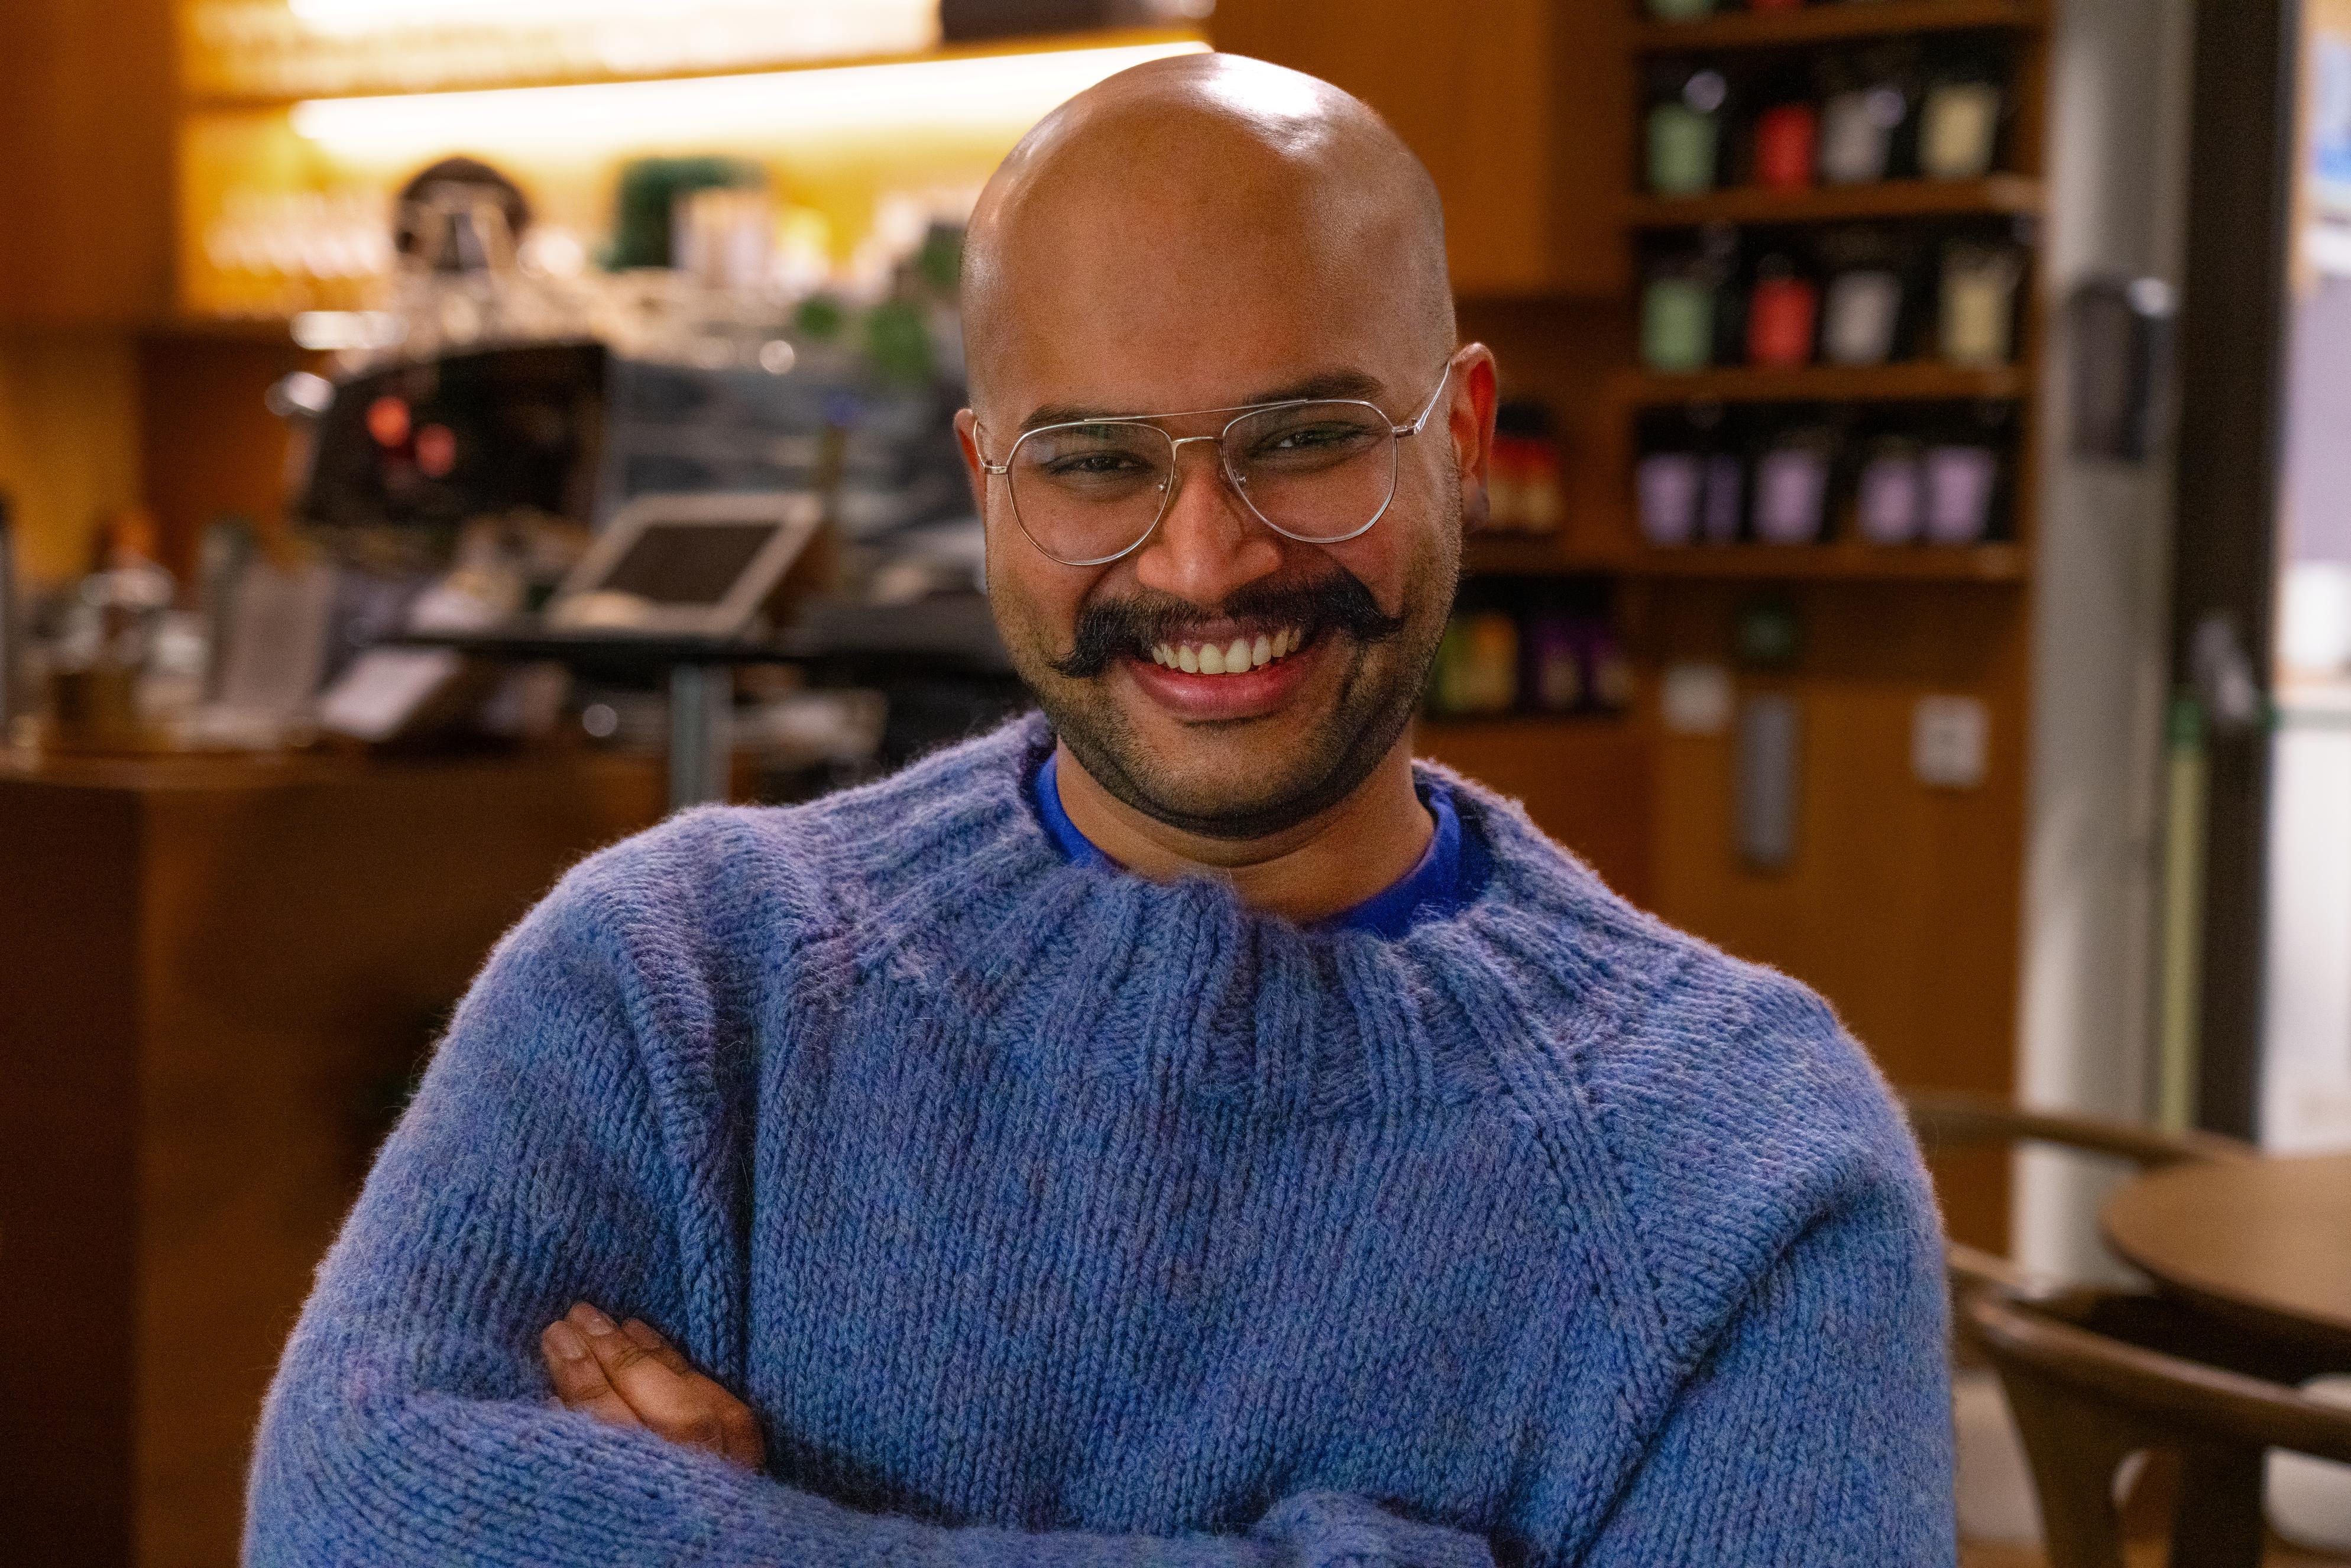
1677,324
1680,10
1682,148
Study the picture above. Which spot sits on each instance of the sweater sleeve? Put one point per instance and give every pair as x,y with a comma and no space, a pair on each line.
1817,1431
549,1157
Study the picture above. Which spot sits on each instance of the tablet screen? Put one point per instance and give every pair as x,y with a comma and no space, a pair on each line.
687,563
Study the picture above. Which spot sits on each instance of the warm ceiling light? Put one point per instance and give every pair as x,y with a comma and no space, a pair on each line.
974,92
398,16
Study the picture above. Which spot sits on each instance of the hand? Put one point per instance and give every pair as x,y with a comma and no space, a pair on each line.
628,1374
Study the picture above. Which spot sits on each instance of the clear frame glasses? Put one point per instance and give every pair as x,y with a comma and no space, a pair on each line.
1318,470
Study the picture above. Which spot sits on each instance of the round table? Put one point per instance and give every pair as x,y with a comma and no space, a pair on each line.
2266,1242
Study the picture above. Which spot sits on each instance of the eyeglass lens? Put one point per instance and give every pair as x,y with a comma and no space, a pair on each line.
1317,472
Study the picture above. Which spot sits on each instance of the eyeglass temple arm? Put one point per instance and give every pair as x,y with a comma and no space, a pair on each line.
1429,407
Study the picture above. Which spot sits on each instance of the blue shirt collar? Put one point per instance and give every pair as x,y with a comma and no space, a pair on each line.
1430,889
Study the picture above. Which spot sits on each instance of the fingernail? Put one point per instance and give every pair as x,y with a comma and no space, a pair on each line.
643,1334
588,1318
566,1341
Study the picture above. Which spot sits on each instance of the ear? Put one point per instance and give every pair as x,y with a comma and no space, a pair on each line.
967,429
1471,420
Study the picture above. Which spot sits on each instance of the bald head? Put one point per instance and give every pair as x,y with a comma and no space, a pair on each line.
1224,188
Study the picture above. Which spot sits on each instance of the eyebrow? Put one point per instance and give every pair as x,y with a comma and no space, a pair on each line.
1347,384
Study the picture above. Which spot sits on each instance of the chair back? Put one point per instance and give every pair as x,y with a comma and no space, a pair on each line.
2096,1377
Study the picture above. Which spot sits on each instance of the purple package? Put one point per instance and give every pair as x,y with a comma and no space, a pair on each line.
1959,481
1792,487
1891,499
1668,483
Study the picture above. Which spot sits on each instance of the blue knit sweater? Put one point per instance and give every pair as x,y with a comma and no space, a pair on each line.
1045,1215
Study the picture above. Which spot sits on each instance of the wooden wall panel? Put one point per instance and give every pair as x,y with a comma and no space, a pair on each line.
1523,115
208,444
1585,782
68,442
86,103
1902,902
68,1219
220,976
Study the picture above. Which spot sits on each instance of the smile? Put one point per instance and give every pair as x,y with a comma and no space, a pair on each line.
1235,657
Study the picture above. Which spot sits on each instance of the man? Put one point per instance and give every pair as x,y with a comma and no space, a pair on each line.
1178,1130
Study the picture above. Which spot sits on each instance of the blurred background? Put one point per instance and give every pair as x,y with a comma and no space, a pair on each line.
438,439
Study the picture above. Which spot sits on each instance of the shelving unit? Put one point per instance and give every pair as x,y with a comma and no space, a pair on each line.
1835,23
1901,903
1916,382
1996,195
1848,560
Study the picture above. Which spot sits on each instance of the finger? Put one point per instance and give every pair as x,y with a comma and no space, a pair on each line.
739,1436
648,1339
675,1405
579,1378
738,1429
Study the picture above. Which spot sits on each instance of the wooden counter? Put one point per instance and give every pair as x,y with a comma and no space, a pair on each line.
216,978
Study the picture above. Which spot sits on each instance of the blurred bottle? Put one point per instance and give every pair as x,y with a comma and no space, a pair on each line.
1959,127
1684,129
1783,313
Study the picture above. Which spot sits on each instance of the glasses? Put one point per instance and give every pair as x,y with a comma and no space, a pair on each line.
1318,470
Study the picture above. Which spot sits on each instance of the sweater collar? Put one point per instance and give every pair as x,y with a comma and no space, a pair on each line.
1091,969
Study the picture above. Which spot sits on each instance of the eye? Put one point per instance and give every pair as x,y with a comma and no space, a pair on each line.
1095,463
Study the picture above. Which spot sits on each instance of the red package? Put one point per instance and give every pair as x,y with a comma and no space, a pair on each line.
1780,322
1785,138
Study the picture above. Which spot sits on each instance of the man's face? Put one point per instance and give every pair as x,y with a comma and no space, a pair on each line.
1114,316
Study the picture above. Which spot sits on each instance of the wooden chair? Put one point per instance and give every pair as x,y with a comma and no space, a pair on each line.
2094,1377
1949,1120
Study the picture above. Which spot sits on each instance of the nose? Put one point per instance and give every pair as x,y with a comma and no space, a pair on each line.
1208,542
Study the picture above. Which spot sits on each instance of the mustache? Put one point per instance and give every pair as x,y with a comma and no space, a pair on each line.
1109,628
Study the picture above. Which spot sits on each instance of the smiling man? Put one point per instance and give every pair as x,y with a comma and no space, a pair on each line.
1174,1130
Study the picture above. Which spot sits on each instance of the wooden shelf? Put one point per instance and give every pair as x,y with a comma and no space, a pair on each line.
1849,560
1845,561
1826,21
1994,196
1920,381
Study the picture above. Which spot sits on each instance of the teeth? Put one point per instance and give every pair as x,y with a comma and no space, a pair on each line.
1237,657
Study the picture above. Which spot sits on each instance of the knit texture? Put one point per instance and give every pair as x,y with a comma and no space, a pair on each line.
1045,1215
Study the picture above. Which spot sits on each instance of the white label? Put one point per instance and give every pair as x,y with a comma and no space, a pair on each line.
1696,699
1949,739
